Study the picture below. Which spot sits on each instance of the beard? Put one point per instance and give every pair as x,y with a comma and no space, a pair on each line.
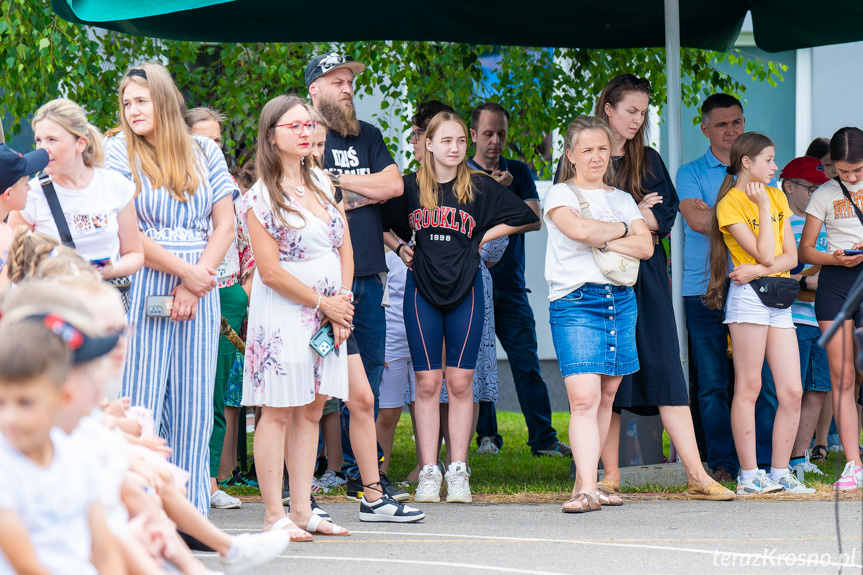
340,118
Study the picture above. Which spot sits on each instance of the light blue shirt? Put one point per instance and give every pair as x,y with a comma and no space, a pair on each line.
699,179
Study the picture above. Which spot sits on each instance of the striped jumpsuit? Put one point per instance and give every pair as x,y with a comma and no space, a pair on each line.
171,366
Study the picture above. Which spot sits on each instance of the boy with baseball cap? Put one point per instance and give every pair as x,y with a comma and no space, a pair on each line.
15,171
800,178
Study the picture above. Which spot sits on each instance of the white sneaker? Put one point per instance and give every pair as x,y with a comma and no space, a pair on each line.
254,550
221,500
487,445
793,485
458,483
428,489
318,488
331,479
761,484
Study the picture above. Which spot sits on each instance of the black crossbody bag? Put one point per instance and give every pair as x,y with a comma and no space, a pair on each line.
123,284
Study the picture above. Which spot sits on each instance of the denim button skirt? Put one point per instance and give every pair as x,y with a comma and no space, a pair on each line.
593,329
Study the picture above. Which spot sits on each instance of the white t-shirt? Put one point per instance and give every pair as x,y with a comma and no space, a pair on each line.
569,264
829,205
91,213
53,503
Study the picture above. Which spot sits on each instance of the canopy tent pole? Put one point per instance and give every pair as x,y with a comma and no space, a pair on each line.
675,155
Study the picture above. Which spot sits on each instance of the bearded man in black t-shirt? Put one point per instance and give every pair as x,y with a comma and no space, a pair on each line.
364,172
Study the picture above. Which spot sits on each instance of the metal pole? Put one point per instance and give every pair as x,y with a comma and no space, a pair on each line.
675,155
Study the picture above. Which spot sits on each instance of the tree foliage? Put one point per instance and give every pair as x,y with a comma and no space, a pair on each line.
45,57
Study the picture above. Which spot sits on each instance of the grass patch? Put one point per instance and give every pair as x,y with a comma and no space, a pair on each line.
514,472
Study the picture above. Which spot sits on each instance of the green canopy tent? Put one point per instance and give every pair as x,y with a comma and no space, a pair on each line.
778,25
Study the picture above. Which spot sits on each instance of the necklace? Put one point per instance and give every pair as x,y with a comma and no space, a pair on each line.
301,190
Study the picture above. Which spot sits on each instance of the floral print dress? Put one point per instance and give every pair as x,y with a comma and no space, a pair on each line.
281,369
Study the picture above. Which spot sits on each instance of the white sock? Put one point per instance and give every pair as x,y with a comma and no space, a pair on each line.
747,474
776,474
233,550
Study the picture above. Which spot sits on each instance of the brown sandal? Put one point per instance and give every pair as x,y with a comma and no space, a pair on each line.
584,502
607,498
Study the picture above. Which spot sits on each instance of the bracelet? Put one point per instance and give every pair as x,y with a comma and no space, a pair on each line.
347,292
802,283
318,305
604,248
625,229
398,248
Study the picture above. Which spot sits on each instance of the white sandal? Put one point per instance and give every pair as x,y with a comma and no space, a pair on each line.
315,522
284,523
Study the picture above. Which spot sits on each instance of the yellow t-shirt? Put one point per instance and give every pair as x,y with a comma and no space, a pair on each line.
736,208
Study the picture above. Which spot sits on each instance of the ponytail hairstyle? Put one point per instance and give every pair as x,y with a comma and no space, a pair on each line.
428,184
26,251
268,161
579,126
748,145
633,169
846,145
73,119
172,162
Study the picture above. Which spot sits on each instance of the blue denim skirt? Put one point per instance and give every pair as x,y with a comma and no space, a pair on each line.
593,329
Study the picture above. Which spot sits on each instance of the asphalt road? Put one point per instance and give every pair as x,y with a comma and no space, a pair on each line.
642,537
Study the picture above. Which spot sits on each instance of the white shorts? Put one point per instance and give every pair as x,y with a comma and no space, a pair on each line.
744,306
398,377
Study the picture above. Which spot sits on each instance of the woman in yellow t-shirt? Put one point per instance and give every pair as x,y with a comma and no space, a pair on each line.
752,223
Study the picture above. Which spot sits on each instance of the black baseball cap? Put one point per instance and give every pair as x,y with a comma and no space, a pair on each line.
320,65
14,166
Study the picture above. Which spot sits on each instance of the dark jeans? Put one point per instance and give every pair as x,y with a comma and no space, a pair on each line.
370,331
516,329
714,374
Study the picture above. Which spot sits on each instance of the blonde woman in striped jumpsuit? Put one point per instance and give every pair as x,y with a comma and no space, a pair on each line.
183,190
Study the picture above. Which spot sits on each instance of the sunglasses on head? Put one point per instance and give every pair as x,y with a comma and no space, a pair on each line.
137,72
331,61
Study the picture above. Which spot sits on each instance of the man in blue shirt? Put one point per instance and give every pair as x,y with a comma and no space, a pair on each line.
698,184
513,317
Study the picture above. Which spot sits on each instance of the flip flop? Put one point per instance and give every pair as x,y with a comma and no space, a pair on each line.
585,503
284,522
315,522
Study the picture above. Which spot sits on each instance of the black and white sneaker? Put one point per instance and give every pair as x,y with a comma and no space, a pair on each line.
386,509
393,491
317,510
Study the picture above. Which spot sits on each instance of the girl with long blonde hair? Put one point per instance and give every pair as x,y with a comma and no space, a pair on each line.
453,211
183,198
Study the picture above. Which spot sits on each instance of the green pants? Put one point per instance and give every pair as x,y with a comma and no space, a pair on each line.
234,303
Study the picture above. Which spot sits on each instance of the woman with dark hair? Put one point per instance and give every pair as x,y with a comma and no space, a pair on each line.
760,328
453,211
304,261
820,148
835,205
183,200
658,386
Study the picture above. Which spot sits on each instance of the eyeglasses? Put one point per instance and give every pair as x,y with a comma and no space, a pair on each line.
137,72
331,61
297,127
810,189
417,134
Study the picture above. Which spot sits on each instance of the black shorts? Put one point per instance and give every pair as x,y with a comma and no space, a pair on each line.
834,284
353,348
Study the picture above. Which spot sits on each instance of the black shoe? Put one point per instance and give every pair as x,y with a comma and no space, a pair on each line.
556,449
354,489
392,490
194,544
386,509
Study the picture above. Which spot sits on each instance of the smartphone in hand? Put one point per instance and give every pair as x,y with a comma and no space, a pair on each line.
101,262
853,252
